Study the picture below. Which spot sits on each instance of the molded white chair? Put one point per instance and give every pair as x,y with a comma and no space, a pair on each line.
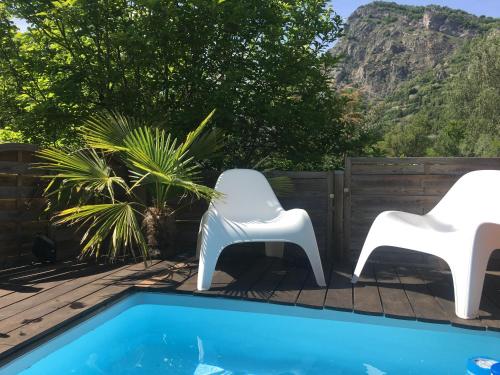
248,211
463,229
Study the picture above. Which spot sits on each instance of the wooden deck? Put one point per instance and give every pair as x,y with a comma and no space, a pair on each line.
36,301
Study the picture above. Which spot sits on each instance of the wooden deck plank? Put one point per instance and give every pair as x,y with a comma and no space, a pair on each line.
9,274
48,290
28,280
251,276
6,272
340,289
287,291
227,273
423,304
5,290
48,303
171,277
45,274
311,294
440,285
137,273
395,302
189,284
55,319
37,312
27,285
366,295
265,287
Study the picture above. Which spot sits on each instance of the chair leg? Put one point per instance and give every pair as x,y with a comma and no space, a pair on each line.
206,268
468,286
312,252
209,247
363,257
201,234
317,268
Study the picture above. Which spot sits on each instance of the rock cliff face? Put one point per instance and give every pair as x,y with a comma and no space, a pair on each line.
387,44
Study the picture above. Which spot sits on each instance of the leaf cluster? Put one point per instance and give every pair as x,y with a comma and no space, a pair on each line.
124,168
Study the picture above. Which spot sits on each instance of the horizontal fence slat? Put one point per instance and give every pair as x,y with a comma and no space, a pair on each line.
18,167
14,147
299,175
375,169
461,167
412,185
18,191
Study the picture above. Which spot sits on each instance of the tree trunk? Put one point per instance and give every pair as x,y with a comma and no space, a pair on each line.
160,230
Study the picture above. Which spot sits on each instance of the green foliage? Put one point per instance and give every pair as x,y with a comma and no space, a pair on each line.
262,63
410,139
387,20
455,116
9,136
103,183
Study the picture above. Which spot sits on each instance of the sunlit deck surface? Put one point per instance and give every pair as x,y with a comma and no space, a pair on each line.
37,300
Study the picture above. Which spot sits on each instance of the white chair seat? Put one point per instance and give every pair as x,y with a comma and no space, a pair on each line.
249,211
279,228
463,229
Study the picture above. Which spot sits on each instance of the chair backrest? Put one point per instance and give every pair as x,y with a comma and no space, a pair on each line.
475,196
247,195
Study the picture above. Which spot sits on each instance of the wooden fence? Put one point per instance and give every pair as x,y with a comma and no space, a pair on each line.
21,208
373,185
22,205
342,204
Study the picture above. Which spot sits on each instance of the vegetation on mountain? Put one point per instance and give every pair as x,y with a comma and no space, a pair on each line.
430,76
455,116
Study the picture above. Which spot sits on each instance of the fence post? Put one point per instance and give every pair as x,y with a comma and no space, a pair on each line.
338,221
346,191
329,219
19,205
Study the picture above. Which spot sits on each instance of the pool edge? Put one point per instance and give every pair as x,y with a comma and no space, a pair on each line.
26,346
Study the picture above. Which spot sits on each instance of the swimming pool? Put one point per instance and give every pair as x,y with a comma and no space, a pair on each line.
154,333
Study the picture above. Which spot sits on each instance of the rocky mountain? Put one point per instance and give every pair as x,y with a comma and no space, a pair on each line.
386,44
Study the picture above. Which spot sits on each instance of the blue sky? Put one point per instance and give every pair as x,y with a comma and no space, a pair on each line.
479,7
346,7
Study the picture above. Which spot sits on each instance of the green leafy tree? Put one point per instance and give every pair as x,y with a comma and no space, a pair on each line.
409,139
262,63
474,97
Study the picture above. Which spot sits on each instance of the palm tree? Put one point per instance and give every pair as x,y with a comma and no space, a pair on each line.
117,187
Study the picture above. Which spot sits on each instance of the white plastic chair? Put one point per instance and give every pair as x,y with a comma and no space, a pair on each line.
248,211
463,229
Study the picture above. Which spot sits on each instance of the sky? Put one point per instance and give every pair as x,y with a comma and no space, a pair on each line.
478,7
346,7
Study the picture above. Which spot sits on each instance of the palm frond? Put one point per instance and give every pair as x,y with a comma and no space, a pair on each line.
155,158
83,171
112,226
207,145
193,135
106,130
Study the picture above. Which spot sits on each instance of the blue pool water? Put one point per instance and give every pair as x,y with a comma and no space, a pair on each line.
150,333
